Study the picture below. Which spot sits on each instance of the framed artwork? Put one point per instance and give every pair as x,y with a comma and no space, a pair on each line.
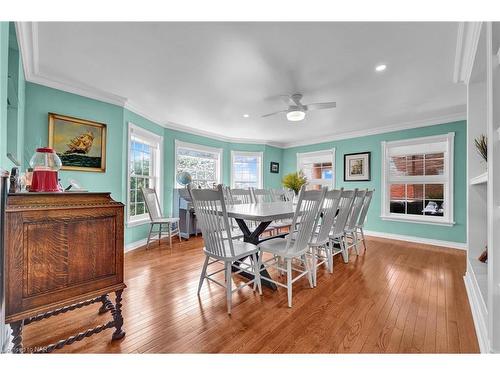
81,144
275,167
357,166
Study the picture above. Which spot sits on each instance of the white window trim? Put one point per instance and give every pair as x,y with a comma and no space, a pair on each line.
198,147
320,152
448,176
260,173
158,165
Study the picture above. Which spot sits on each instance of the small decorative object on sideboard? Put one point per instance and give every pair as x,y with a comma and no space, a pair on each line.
481,144
14,186
45,164
484,256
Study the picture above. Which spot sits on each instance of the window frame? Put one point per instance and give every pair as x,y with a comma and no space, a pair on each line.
258,154
156,142
199,148
447,179
330,151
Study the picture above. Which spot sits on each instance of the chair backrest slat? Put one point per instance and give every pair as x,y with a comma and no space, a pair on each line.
240,196
263,196
357,205
364,210
309,203
326,215
210,209
283,195
345,206
152,203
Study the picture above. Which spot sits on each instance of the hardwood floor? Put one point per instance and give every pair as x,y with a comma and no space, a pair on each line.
399,297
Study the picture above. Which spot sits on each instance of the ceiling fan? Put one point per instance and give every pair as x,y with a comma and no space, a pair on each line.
296,111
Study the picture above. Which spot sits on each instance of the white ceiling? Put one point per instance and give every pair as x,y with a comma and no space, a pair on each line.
205,76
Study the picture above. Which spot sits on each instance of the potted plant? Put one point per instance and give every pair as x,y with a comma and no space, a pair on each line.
481,144
294,181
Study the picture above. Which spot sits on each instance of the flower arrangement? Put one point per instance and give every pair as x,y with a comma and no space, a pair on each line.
294,181
481,143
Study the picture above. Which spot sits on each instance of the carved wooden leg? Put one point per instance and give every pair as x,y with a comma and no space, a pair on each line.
103,309
117,316
17,336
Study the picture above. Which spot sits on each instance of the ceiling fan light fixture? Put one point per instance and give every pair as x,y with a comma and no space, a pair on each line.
295,115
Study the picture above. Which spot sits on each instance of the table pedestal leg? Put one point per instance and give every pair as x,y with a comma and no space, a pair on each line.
253,238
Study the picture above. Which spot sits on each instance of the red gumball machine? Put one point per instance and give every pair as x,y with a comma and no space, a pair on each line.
45,164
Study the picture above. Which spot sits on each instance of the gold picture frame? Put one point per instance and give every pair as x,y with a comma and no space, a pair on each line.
81,144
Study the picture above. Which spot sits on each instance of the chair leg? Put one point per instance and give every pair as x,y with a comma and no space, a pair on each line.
169,233
149,235
203,273
345,252
308,269
315,253
329,255
363,238
355,240
229,290
256,270
289,280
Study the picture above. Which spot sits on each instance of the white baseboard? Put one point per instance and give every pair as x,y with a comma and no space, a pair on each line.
479,312
427,241
134,245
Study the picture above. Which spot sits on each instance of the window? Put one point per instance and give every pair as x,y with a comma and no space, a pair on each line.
318,168
144,170
246,169
418,180
201,162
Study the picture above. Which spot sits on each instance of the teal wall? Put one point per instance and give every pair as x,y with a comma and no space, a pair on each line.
40,100
456,233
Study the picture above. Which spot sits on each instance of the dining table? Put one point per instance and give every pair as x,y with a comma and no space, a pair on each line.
263,214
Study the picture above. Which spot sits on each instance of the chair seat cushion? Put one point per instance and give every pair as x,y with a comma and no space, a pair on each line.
241,249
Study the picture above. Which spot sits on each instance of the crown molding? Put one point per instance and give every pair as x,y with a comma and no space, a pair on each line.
383,129
468,34
28,45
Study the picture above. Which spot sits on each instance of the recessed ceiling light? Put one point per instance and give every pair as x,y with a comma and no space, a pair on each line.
381,67
246,115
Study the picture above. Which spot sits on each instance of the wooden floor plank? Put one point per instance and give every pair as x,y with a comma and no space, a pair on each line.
395,297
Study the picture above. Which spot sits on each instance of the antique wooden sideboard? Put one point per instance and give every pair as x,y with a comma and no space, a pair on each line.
62,251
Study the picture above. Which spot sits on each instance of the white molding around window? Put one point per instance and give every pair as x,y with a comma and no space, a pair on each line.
155,141
218,152
418,146
327,155
260,157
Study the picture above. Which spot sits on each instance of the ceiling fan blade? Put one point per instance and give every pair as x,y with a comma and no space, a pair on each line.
315,106
274,113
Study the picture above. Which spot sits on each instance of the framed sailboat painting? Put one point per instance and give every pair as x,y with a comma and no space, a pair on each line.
81,144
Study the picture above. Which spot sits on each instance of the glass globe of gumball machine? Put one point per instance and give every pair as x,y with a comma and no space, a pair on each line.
45,164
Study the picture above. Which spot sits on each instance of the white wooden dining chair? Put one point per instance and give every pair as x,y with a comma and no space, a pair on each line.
321,246
282,195
337,235
362,218
294,247
219,246
241,196
157,218
351,234
263,196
